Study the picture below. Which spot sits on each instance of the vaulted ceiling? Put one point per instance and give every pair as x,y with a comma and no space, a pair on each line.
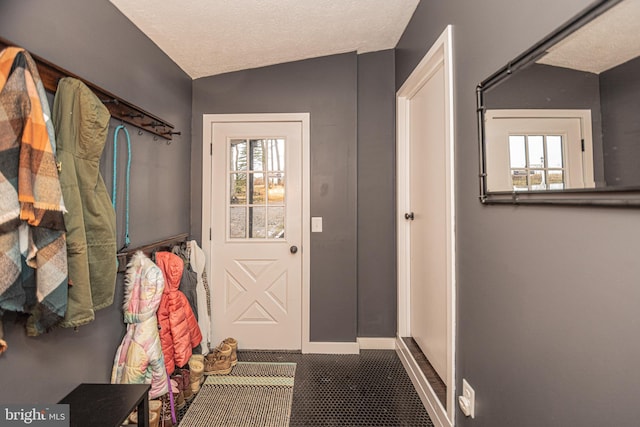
208,37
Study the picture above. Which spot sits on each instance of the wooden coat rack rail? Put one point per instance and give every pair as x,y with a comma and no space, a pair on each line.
148,250
119,108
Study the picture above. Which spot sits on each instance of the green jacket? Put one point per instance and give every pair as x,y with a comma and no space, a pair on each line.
81,122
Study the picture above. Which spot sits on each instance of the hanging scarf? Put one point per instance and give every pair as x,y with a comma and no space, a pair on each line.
31,214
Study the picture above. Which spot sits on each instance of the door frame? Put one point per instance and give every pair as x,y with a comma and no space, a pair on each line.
208,120
440,55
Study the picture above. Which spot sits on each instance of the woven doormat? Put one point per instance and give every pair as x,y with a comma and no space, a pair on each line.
254,394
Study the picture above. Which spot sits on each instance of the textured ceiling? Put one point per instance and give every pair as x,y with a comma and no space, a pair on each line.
606,42
208,37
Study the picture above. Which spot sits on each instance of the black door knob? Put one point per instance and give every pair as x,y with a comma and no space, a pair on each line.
409,216
293,249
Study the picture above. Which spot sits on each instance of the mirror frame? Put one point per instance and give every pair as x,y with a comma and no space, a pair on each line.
612,196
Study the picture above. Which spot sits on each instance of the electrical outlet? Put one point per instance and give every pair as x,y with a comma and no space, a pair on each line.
467,401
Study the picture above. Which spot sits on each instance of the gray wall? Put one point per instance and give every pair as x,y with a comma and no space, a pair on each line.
327,89
619,90
93,40
544,86
547,296
376,196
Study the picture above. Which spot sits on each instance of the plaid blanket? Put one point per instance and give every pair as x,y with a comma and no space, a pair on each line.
33,265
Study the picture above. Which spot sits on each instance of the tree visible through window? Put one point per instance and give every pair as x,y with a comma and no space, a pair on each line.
256,188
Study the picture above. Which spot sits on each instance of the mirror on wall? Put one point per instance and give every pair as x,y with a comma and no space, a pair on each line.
560,124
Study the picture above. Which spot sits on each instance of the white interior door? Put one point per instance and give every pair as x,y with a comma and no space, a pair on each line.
426,243
256,227
428,229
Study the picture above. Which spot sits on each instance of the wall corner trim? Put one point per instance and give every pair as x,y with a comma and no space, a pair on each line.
436,411
369,343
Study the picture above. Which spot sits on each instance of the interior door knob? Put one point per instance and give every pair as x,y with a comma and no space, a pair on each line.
293,249
409,216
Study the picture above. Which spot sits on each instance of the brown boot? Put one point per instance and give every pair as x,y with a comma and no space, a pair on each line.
155,407
186,384
196,368
218,362
154,417
231,342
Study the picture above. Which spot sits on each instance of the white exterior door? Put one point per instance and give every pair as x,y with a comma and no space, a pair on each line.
256,234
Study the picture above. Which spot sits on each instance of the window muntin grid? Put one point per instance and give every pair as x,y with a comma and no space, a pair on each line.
537,162
256,191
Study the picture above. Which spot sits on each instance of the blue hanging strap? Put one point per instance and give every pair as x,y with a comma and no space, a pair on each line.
114,188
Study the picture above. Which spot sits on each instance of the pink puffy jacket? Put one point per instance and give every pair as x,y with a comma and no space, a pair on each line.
139,358
179,331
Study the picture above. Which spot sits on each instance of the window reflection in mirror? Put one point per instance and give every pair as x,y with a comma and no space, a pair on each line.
539,150
566,118
536,162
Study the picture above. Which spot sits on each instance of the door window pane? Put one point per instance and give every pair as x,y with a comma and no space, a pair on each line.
519,179
536,180
238,155
554,151
276,222
276,188
238,222
536,151
258,155
238,189
517,151
257,188
556,180
276,155
257,222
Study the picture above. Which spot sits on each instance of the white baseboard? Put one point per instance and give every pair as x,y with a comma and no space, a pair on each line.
432,404
330,348
364,343
367,343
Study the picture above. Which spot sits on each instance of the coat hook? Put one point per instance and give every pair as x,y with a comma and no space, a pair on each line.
109,101
139,131
153,124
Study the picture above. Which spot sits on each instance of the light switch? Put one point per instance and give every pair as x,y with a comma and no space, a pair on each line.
316,224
